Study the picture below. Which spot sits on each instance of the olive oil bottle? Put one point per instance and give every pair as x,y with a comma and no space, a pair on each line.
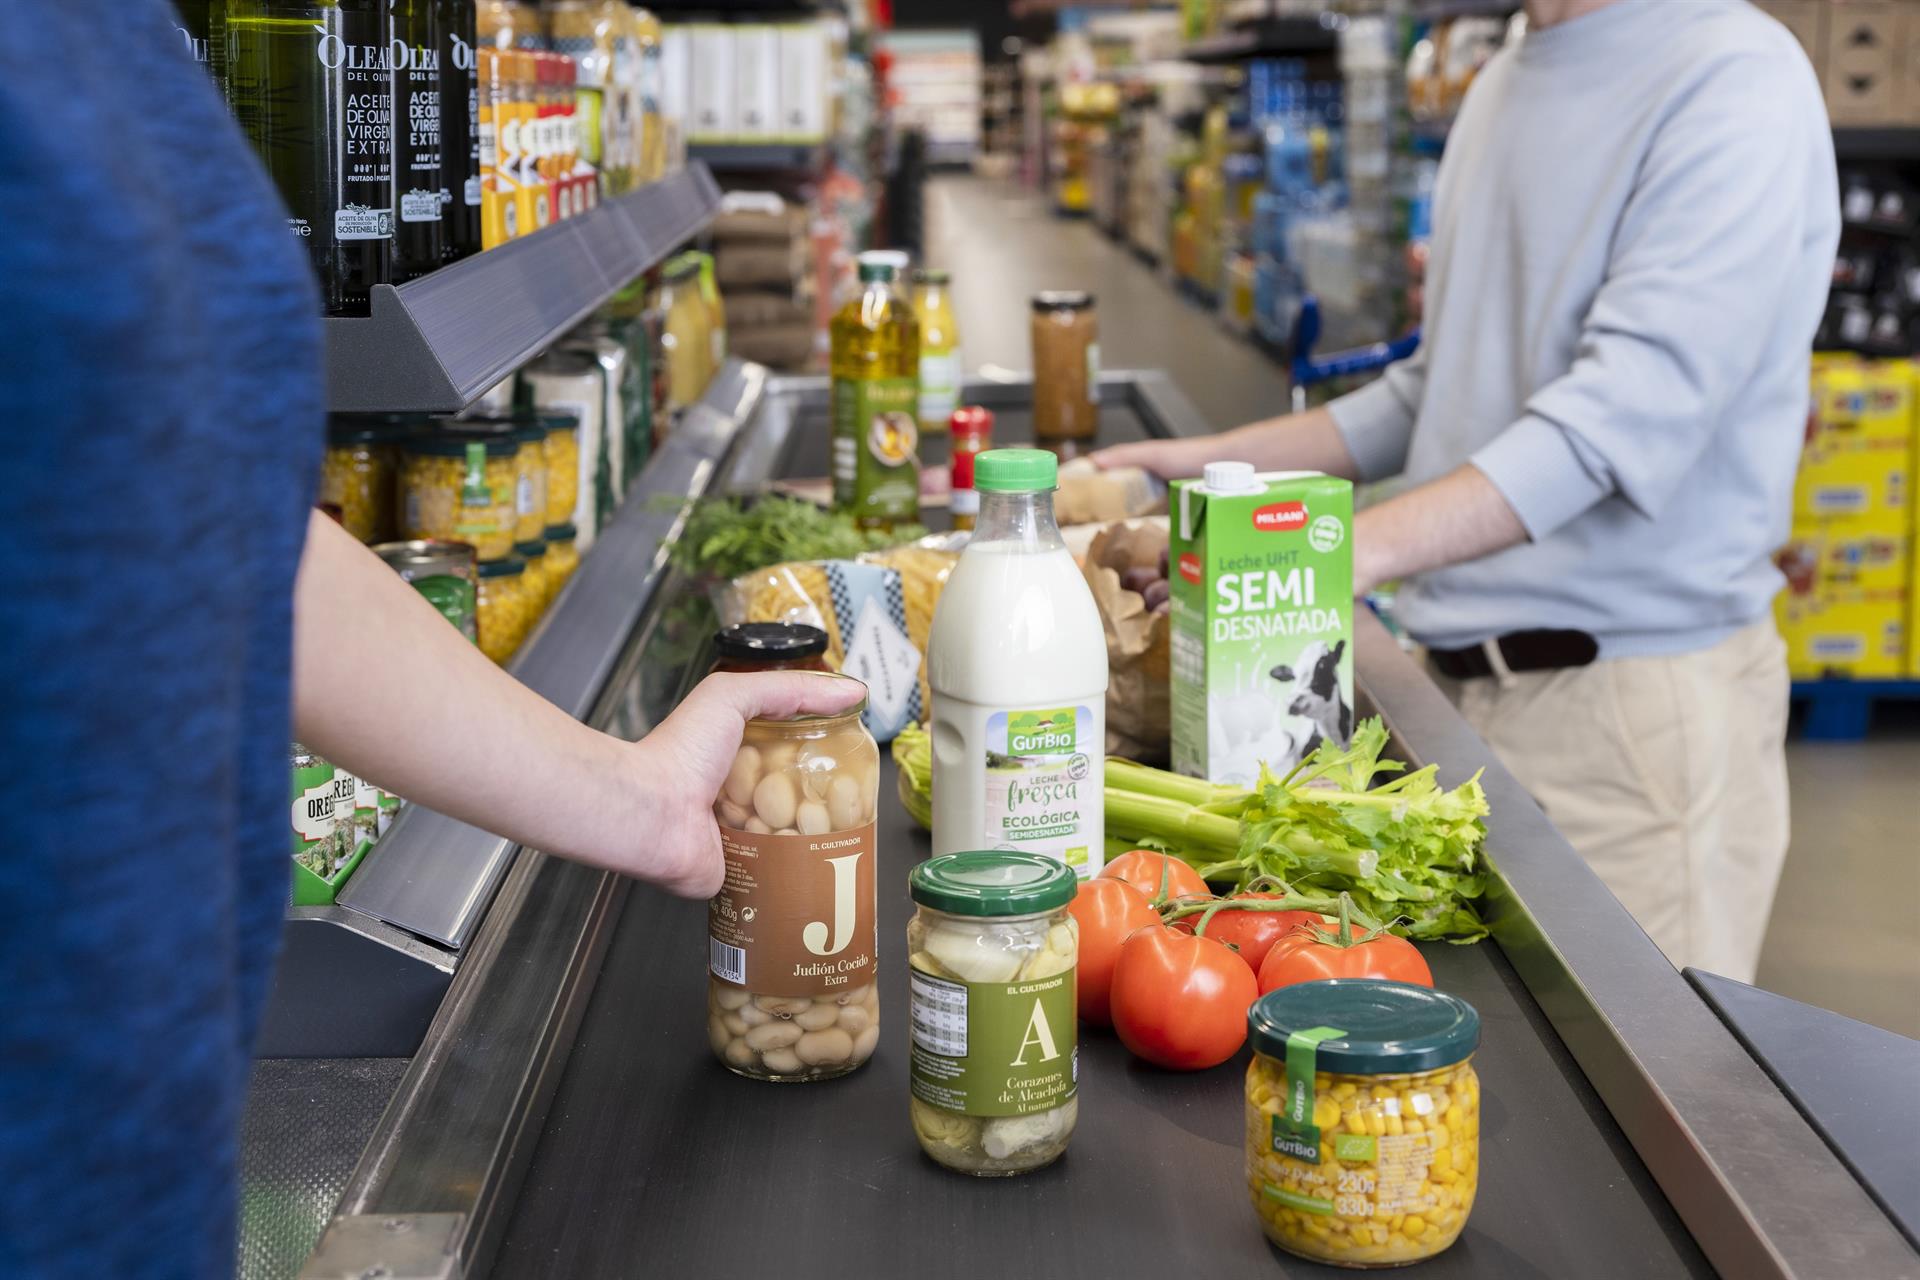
311,84
875,461
459,129
202,29
419,194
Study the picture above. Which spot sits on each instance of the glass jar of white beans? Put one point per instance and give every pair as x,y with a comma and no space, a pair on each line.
792,933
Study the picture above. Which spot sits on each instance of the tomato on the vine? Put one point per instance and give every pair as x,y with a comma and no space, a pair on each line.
1309,954
1150,872
1180,1001
1108,911
1253,933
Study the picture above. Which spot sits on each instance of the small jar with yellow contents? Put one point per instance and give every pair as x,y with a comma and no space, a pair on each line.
504,613
533,580
1363,1120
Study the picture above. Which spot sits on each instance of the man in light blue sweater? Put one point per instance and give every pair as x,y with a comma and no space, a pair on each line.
1634,229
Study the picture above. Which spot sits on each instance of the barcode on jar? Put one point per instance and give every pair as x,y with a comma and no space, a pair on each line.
729,964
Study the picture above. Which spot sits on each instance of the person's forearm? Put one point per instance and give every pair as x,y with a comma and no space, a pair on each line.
1307,441
1459,517
384,687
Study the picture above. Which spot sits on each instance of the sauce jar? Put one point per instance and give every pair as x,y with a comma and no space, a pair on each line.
971,432
793,934
1066,372
994,1064
771,646
1363,1120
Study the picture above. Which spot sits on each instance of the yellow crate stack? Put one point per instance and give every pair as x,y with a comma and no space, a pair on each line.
1850,608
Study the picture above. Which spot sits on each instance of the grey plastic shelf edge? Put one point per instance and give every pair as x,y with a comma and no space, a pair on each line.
432,875
435,344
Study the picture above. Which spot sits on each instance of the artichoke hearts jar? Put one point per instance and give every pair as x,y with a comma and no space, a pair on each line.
1363,1120
993,1062
793,933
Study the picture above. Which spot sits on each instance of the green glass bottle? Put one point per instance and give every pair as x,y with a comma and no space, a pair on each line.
202,26
459,128
311,83
419,186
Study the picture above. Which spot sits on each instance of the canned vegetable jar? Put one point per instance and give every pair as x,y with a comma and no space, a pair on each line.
460,487
792,934
563,556
357,474
529,464
994,1064
560,446
533,579
770,646
443,572
1363,1120
505,614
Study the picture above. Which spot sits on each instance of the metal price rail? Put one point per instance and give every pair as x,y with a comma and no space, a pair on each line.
565,1117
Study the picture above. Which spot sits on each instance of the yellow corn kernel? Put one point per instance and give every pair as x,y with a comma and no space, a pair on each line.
1395,1126
1345,1090
1415,1226
1326,1113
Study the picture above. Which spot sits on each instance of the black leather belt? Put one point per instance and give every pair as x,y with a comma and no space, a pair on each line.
1521,650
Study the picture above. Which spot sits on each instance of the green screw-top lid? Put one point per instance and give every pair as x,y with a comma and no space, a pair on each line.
1016,471
551,422
560,533
453,444
1386,1028
992,882
531,549
502,568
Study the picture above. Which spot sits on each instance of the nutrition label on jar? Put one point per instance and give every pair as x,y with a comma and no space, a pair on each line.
1391,1186
939,1012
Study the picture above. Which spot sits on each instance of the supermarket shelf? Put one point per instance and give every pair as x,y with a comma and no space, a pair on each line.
435,344
760,157
1877,144
1436,10
1276,38
1841,710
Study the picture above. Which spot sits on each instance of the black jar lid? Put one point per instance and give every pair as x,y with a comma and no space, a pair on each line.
770,641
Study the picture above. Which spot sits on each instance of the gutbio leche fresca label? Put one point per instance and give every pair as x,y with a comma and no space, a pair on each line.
1041,792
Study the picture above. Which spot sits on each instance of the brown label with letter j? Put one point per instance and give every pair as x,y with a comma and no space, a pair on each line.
796,916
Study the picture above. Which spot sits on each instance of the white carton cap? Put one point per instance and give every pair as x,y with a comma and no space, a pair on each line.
1225,478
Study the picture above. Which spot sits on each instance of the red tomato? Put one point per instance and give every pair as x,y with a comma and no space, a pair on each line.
1253,933
1180,1001
1148,871
1108,911
1302,956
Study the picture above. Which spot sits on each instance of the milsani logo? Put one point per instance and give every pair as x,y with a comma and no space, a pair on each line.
1032,733
1280,517
1190,566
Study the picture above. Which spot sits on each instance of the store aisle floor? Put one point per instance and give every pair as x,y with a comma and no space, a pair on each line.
1843,934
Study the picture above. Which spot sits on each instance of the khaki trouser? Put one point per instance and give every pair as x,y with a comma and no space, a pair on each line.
1668,775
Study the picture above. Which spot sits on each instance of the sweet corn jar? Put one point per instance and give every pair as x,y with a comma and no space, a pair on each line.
562,557
1363,1120
504,613
460,487
560,447
993,1066
534,581
358,474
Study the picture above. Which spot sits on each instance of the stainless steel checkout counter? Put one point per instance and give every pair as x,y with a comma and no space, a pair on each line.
487,1062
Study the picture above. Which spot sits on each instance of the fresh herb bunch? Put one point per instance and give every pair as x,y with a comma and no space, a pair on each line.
1407,850
726,537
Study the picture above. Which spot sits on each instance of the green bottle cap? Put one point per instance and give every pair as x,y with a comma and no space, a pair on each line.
992,882
1385,1028
1016,471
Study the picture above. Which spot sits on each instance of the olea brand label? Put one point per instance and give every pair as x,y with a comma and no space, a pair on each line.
365,70
312,808
940,374
876,439
1262,613
795,916
1040,774
993,1048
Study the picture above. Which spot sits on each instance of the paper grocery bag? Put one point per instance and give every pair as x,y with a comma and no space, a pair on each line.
1139,713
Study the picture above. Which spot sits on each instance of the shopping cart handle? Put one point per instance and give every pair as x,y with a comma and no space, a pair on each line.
1308,370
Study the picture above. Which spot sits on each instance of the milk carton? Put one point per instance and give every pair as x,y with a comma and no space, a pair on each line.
1261,569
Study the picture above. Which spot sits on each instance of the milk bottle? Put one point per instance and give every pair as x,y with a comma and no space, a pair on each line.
1017,661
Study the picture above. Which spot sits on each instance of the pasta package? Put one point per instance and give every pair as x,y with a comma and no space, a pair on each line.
877,611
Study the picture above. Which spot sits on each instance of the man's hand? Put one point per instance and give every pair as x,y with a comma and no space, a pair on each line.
1307,441
680,767
1168,459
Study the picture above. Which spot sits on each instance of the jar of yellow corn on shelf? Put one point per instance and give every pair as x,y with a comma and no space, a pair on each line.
1363,1120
